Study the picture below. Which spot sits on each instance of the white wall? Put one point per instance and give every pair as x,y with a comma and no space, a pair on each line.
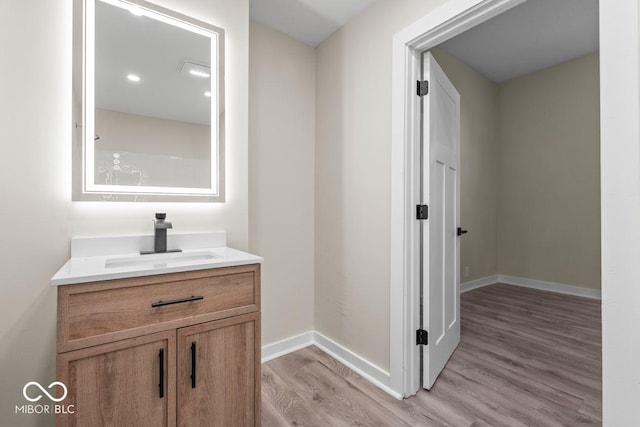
353,167
620,192
281,178
37,215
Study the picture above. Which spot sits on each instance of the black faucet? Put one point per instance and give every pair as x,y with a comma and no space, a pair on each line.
160,226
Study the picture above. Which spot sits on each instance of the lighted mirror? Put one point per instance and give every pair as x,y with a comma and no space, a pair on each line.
148,101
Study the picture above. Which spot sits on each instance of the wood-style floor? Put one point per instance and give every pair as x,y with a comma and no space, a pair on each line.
526,358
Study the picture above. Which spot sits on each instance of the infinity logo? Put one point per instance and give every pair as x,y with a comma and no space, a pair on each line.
53,384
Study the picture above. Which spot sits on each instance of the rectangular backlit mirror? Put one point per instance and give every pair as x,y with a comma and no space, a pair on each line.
148,104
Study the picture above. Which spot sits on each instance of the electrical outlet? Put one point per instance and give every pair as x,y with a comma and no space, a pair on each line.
466,271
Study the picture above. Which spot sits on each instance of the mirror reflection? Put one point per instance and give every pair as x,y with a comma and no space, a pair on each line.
152,97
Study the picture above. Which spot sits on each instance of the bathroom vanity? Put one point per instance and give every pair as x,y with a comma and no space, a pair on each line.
159,340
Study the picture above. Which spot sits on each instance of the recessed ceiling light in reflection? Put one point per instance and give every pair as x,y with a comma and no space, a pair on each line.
207,94
133,78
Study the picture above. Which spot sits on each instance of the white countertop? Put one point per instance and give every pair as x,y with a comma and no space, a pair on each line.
97,259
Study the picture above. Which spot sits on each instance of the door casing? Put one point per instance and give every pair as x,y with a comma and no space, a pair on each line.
452,18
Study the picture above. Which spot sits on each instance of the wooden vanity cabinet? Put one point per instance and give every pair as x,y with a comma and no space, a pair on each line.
118,384
226,361
180,360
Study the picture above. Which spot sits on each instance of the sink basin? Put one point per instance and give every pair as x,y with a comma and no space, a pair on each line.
95,259
159,260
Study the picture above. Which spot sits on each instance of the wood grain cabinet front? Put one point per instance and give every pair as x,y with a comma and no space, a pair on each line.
125,383
218,373
130,366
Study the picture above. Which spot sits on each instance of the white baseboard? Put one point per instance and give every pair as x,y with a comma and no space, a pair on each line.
286,346
359,364
550,286
478,283
533,284
363,367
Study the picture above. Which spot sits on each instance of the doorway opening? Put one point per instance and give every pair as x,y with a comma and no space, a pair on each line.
444,24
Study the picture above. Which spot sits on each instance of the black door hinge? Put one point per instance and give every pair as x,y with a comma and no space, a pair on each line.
422,337
423,88
422,212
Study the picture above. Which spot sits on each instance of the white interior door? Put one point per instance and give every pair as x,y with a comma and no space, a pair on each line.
440,243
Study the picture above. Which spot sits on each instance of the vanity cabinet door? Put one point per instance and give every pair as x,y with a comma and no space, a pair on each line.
219,373
125,383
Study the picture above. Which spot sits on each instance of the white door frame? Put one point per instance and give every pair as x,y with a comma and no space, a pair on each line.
449,20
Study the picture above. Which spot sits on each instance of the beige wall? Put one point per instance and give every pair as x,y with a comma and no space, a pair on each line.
151,135
530,173
479,172
154,151
37,215
281,177
549,186
353,150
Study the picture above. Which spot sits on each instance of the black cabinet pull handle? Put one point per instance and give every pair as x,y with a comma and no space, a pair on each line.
193,365
461,231
161,385
176,301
